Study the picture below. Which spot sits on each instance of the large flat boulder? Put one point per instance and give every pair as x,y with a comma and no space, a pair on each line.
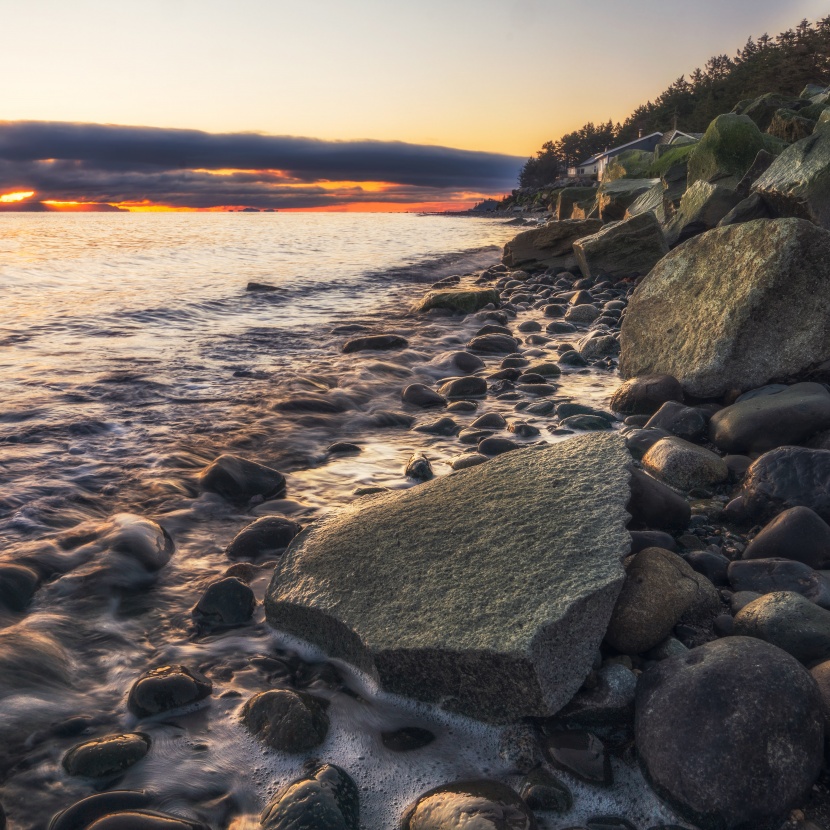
487,591
552,244
622,249
616,197
798,181
571,196
733,308
702,207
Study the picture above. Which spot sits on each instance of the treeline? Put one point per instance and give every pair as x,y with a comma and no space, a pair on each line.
784,64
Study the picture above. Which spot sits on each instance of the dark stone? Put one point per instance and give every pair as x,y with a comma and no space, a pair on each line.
765,576
17,586
529,326
239,480
416,394
768,421
264,537
145,820
166,688
493,328
642,539
653,505
107,756
572,360
542,791
560,327
494,344
418,467
821,674
645,395
524,430
469,804
88,810
787,477
344,448
286,720
443,426
748,210
714,566
407,739
384,419
581,754
706,725
677,419
469,460
261,286
227,602
318,404
375,342
489,420
640,441
462,406
325,798
590,423
466,387
496,446
799,534
466,362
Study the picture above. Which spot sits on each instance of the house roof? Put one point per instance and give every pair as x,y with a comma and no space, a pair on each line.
616,150
670,136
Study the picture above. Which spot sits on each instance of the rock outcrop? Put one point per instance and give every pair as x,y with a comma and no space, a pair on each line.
726,151
733,308
702,207
552,244
631,247
615,198
494,609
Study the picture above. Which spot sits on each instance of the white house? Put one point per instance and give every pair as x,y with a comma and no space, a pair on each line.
595,165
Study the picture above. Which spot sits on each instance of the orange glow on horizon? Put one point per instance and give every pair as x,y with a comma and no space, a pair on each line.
19,196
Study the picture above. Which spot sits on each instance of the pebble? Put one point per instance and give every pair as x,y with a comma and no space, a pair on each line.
166,688
287,720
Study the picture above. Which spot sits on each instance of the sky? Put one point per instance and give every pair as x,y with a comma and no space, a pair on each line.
355,104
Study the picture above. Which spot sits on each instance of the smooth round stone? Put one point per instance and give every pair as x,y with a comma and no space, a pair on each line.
166,688
489,420
529,326
469,804
493,328
239,480
538,340
560,327
88,810
417,394
554,310
524,430
286,720
543,791
546,369
443,426
462,406
511,362
799,534
581,754
582,314
107,756
493,344
227,602
531,377
588,423
473,436
655,506
470,386
264,537
645,395
407,739
344,448
375,342
682,421
418,467
466,362
572,360
326,798
18,585
496,446
472,459
542,408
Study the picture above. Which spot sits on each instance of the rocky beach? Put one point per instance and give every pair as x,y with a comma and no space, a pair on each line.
541,542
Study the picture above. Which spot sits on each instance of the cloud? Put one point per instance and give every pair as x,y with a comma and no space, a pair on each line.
190,168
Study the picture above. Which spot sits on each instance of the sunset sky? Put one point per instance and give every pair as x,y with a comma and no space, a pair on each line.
329,104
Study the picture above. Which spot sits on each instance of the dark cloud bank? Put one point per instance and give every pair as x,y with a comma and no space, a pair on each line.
104,163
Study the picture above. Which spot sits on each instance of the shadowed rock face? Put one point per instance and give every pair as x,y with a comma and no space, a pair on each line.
487,591
733,308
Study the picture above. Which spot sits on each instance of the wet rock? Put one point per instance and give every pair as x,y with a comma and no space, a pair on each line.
632,246
705,726
640,441
286,720
30,659
462,406
443,426
685,465
144,820
407,739
766,576
768,421
560,327
418,467
318,404
463,462
609,701
83,813
464,300
325,798
107,756
543,791
490,420
550,244
239,480
683,421
524,430
496,446
375,342
645,395
798,534
132,541
586,422
384,419
582,314
227,602
581,754
466,362
468,804
525,652
660,590
18,585
529,326
494,344
466,387
473,436
787,477
656,506
344,448
519,747
416,394
166,688
790,621
715,334
264,537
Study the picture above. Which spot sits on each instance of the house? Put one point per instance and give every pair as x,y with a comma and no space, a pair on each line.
595,165
676,137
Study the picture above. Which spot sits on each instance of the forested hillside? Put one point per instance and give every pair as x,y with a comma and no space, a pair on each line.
784,64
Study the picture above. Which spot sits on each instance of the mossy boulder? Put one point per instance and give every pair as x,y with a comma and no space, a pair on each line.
762,109
465,300
669,158
632,164
787,125
726,150
569,197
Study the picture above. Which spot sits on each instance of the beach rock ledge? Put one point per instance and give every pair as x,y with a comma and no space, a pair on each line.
494,609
